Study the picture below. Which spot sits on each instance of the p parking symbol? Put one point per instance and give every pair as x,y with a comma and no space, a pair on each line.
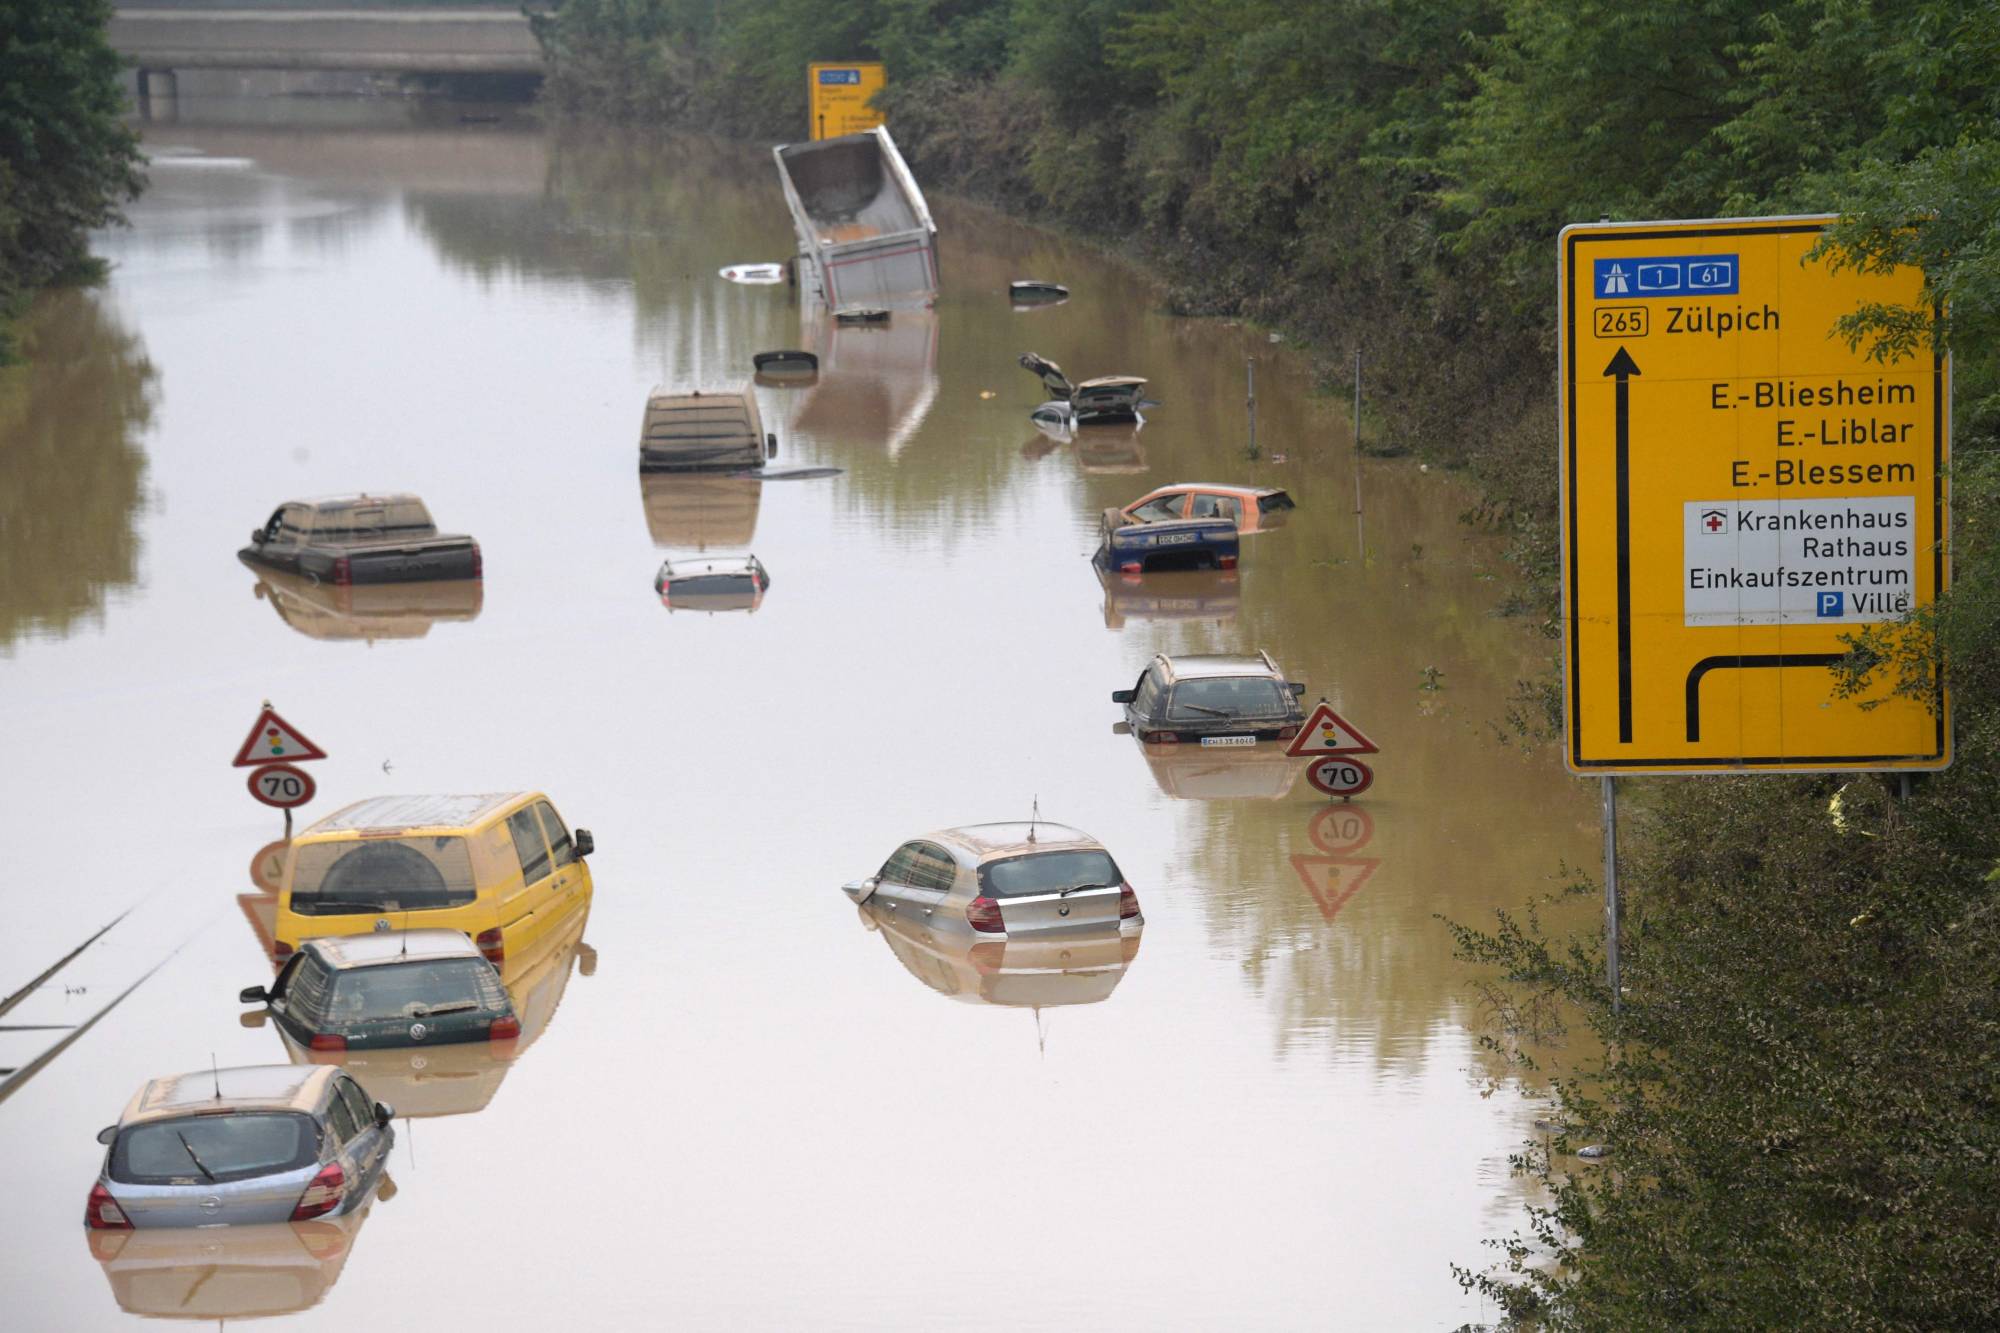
1832,604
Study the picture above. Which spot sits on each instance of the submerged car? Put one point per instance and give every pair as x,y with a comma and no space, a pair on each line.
1212,699
704,431
712,583
1004,882
501,867
263,1143
349,539
388,988
1250,508
1105,399
1184,544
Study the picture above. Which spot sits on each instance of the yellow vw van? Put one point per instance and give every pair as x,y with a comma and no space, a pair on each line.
503,868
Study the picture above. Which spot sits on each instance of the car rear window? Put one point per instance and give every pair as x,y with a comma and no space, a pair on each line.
381,875
415,990
1047,872
1227,697
231,1146
1274,502
738,581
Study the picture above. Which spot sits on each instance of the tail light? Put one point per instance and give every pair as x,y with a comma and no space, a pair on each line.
102,1213
343,571
493,945
478,562
1159,737
1130,567
1128,903
323,1195
329,1041
503,1029
1286,733
280,950
982,913
1227,562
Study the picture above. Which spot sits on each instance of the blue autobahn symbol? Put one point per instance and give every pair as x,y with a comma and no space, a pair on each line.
840,76
1832,603
1666,275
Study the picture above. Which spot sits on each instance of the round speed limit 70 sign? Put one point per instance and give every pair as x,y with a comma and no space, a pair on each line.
282,785
1340,776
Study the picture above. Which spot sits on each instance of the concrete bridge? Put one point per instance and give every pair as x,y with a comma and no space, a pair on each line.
163,39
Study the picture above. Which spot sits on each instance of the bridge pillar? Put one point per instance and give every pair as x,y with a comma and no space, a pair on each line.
159,94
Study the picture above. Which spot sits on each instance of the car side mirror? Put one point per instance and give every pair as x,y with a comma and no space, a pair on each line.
1123,696
585,844
1298,689
253,995
770,446
256,536
384,1113
108,1133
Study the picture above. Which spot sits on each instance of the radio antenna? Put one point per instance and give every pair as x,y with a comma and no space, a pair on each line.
1034,816
215,1074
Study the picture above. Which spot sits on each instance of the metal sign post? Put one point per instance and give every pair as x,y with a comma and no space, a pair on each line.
1611,891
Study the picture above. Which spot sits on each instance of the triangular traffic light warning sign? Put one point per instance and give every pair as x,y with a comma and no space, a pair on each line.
1332,880
1327,732
275,741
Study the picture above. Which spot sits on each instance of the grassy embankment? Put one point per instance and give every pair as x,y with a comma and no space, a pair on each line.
1802,1094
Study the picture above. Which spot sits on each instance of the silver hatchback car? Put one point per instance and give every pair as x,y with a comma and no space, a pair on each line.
265,1143
1004,882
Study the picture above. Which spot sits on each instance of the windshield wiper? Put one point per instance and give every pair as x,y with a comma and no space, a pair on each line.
1075,887
457,1007
353,905
1204,708
191,1153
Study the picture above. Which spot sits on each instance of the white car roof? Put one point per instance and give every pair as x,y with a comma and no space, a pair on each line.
1194,666
986,842
410,812
394,946
244,1088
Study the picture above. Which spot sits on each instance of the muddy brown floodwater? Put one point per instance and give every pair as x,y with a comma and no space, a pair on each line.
738,1103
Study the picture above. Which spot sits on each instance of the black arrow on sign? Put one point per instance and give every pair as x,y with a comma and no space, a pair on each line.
1624,368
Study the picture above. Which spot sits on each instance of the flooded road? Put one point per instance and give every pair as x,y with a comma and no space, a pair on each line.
743,1100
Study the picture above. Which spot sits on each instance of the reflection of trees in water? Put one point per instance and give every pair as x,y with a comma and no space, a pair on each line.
70,465
655,215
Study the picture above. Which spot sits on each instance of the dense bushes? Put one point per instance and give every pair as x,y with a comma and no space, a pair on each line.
67,161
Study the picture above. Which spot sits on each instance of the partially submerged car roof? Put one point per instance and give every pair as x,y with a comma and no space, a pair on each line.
987,842
245,1088
370,499
1220,486
399,813
1194,666
392,946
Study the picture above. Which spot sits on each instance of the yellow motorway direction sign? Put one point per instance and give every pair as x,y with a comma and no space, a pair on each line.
1740,491
839,95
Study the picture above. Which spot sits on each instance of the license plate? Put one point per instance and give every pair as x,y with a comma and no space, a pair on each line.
1228,740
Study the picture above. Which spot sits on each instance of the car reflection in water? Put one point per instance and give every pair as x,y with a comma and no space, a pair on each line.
1191,771
701,511
421,1082
1020,974
368,611
1195,594
246,1272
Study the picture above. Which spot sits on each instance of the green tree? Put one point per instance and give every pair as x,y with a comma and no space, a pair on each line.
67,160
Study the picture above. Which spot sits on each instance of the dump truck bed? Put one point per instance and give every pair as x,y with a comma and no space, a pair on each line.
865,232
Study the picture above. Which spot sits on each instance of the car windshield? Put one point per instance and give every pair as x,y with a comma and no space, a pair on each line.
1047,872
381,875
1227,697
735,580
416,990
200,1149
